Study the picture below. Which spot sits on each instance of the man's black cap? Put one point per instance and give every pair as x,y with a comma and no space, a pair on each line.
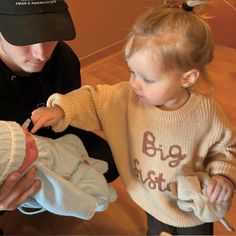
26,22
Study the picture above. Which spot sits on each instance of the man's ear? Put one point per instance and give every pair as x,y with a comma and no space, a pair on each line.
189,78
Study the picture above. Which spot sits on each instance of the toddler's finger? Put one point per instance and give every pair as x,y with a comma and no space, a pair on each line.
221,197
36,111
215,194
210,189
37,126
228,195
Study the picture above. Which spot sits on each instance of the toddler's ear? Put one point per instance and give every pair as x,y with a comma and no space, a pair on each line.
189,78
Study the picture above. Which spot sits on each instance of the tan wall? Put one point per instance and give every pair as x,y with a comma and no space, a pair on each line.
102,25
223,23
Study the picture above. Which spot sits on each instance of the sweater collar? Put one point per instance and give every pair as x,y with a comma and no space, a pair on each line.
180,114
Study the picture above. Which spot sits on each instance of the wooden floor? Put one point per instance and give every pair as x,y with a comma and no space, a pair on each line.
123,217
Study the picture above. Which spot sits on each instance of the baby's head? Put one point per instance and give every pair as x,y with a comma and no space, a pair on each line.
12,147
178,38
17,150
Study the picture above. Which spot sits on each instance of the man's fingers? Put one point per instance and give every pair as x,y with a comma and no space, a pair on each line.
8,185
34,188
19,191
13,203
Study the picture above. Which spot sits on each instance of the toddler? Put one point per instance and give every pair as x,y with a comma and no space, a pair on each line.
156,123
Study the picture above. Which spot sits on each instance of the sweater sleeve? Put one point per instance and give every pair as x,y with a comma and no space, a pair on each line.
221,158
82,108
224,162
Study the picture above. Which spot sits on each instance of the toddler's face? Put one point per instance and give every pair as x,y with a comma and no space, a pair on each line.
153,85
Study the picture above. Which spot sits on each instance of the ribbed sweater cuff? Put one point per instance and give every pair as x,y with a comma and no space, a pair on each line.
61,101
224,169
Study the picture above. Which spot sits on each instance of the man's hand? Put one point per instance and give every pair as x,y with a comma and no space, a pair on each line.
15,190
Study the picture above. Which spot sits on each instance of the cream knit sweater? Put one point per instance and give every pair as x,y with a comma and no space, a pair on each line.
149,145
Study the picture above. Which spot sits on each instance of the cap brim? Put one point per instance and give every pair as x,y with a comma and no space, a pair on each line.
32,29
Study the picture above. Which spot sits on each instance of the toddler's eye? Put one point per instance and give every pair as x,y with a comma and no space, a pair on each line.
148,81
132,75
131,72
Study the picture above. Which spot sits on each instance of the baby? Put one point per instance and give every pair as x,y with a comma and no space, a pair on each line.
72,183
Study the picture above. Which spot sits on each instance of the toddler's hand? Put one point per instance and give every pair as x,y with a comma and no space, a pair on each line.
220,189
46,116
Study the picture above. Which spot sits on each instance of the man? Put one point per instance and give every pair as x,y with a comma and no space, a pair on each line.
34,63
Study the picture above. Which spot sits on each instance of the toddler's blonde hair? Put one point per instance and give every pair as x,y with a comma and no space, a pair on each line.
181,39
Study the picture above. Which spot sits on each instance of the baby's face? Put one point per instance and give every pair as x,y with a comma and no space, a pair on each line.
31,148
31,151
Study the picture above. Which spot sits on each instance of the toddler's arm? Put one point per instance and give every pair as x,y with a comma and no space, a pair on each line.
46,116
220,189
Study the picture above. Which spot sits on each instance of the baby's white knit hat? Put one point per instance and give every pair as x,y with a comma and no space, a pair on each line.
12,148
